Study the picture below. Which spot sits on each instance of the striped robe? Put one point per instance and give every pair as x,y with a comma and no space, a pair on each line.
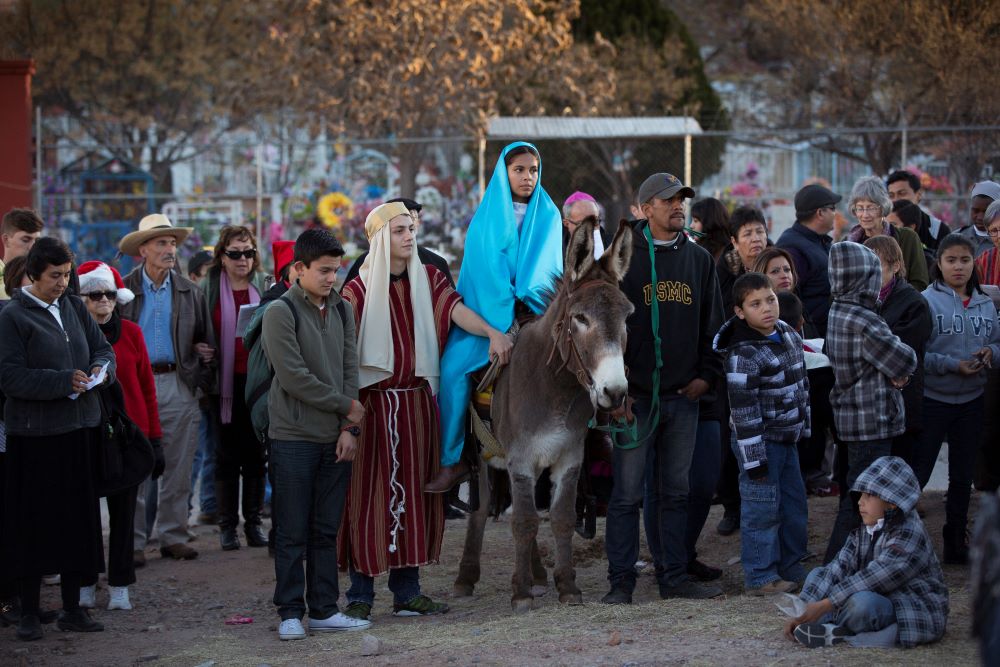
405,401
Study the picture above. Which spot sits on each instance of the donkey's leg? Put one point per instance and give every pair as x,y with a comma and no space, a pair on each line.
469,567
525,528
539,576
562,516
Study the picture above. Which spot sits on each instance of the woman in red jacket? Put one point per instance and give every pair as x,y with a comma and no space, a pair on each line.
101,288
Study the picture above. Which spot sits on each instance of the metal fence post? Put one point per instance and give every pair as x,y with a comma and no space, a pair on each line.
687,160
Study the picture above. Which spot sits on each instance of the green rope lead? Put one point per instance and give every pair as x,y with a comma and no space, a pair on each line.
653,420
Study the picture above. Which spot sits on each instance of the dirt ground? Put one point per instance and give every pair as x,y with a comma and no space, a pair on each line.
180,609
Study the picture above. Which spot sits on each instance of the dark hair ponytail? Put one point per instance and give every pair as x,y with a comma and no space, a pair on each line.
950,241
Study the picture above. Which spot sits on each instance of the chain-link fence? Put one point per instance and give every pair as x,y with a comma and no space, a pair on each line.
282,187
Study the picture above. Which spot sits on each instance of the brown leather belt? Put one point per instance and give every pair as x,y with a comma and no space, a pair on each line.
159,369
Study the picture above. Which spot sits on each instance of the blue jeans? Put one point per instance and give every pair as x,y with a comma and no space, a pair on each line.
860,455
204,462
311,490
404,582
962,425
864,611
672,442
706,466
773,518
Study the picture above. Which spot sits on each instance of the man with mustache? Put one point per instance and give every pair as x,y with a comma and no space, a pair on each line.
174,318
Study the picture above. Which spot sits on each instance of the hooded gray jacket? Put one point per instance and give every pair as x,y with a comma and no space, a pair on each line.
865,354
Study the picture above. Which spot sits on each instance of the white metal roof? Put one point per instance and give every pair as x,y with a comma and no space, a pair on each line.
549,127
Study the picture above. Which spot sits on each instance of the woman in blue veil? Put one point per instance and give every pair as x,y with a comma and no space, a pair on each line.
513,253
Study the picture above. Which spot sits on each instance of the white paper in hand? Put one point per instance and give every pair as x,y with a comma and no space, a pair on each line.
792,605
94,381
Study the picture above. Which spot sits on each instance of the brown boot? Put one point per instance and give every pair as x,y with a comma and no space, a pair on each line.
448,477
178,552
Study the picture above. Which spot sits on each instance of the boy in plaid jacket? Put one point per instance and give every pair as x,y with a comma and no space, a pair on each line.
870,365
886,580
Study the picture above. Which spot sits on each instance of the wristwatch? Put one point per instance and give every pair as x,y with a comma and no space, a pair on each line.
354,430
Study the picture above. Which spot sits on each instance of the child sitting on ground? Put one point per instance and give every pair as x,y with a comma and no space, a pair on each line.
885,586
769,413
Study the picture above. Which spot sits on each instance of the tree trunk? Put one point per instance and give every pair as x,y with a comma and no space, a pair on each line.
409,164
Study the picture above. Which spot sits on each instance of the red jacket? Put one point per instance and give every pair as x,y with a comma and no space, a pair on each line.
136,378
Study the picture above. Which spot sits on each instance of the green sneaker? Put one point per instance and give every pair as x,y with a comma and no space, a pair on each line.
359,610
420,606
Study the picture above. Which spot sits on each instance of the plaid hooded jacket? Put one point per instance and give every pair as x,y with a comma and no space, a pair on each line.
897,561
865,354
768,390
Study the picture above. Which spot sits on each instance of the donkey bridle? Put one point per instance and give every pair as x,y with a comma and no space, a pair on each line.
571,359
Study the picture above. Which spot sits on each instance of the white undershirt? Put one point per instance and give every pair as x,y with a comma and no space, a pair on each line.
52,308
520,210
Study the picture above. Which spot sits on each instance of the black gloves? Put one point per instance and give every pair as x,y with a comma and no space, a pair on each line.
159,462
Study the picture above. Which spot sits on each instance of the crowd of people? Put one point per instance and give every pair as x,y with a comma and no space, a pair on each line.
762,371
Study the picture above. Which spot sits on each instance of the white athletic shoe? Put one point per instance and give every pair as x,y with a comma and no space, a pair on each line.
88,595
51,579
291,628
119,598
337,623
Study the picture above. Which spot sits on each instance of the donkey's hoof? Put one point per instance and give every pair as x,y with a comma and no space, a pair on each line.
464,590
522,605
539,590
570,598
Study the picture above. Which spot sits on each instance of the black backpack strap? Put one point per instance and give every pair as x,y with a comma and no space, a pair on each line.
342,309
291,307
265,385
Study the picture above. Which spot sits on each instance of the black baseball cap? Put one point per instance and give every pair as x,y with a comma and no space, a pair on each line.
664,186
814,197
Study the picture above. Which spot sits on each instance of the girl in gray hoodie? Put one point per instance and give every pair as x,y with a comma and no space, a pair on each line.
964,342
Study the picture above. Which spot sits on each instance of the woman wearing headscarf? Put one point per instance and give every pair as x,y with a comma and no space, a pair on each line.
234,281
513,253
51,353
102,289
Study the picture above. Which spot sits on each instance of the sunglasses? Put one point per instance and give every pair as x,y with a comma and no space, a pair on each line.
236,254
97,296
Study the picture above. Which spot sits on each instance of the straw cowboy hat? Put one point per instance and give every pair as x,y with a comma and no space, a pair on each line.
150,227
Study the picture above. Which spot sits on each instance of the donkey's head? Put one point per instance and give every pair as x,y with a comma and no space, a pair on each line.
589,332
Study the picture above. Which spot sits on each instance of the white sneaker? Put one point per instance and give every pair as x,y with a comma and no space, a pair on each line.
337,623
291,628
88,595
119,598
51,579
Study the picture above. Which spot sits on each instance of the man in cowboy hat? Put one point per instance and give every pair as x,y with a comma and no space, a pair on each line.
174,318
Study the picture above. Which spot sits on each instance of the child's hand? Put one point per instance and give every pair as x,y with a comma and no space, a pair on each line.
969,367
984,356
814,611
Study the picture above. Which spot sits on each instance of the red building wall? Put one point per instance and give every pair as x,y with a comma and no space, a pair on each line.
15,134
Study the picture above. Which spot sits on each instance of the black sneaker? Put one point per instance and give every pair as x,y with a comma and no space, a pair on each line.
618,595
729,525
702,572
10,612
689,590
78,620
359,610
29,628
815,635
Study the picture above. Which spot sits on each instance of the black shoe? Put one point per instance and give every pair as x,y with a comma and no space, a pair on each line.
816,635
689,590
78,620
451,513
228,539
255,536
730,524
618,595
956,546
49,617
10,612
702,572
29,628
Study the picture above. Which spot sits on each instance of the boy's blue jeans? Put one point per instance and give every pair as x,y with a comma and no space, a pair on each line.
404,582
773,519
864,611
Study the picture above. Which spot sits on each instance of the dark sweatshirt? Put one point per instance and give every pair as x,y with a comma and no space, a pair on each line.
690,306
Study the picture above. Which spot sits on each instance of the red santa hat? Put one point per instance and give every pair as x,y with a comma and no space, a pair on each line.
96,275
283,252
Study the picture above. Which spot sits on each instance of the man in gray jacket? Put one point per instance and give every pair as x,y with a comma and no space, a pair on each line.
174,318
309,338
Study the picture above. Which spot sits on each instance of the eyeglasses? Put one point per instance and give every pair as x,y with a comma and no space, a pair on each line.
993,232
866,210
110,295
236,254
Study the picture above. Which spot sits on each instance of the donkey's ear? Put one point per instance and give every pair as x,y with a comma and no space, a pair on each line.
615,259
580,252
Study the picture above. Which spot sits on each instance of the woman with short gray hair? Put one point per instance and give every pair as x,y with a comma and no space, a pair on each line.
870,204
988,263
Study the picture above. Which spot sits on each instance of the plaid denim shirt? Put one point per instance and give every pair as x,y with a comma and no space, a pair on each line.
865,354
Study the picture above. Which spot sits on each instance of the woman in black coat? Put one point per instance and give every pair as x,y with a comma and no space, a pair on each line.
906,312
49,349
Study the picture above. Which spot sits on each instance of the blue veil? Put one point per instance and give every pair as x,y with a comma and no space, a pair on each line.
501,263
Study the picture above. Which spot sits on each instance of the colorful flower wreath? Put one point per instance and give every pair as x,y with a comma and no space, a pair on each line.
333,207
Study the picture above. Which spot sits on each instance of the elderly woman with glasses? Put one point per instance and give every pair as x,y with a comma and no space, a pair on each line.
233,281
102,290
870,204
988,263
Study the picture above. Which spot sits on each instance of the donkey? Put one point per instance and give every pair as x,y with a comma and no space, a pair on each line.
564,366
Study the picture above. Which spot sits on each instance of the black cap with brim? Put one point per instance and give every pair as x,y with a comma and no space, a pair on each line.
663,186
814,197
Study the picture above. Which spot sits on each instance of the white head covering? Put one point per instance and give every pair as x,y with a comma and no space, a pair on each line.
375,350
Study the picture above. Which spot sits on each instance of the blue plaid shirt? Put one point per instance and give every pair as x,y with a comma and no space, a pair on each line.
155,318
